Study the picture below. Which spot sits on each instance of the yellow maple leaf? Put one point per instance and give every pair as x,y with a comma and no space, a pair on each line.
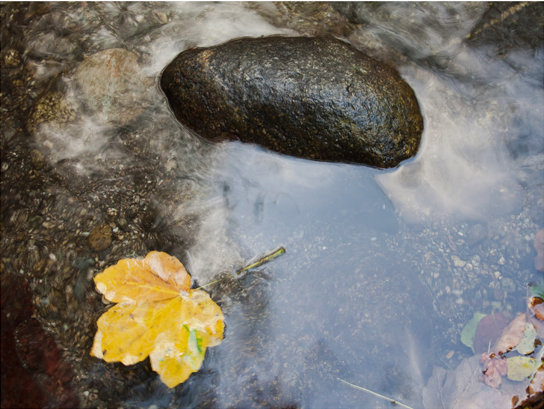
156,315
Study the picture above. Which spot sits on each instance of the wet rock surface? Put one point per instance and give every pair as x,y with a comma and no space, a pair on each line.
114,86
52,109
428,33
314,98
306,17
509,26
100,237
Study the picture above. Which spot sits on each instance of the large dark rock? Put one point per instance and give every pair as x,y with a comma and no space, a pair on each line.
314,98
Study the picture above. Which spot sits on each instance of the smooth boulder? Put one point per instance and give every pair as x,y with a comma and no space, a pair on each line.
313,98
114,86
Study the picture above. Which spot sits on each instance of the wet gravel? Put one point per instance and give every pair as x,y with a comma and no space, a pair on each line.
65,217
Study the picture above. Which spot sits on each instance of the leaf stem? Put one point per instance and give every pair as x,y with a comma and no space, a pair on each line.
375,394
261,259
264,258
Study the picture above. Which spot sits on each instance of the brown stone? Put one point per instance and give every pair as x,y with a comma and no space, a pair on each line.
100,237
114,86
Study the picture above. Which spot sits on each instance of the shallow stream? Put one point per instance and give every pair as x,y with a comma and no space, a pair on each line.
383,268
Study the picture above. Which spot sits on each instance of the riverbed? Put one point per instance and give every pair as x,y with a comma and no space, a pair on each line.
383,268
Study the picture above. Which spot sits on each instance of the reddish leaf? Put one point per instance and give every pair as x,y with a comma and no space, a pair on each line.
489,330
511,336
535,392
537,384
494,368
537,308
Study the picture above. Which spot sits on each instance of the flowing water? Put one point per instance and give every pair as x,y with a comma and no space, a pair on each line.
382,268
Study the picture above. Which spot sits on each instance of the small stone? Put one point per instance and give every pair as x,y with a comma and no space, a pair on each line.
38,267
163,18
37,159
100,237
502,261
496,305
457,262
53,109
171,164
476,234
114,86
122,223
508,285
12,59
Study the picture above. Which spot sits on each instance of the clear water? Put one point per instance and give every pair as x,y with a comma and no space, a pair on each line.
354,297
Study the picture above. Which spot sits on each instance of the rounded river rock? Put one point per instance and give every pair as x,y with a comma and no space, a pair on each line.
100,237
313,98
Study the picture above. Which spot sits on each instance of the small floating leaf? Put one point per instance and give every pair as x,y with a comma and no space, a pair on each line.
494,368
469,332
527,343
156,315
537,290
537,383
511,335
489,329
521,367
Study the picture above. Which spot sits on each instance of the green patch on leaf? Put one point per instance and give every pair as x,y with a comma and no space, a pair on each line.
195,343
469,332
537,291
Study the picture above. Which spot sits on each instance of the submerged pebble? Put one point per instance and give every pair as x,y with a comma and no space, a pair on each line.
100,237
114,86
